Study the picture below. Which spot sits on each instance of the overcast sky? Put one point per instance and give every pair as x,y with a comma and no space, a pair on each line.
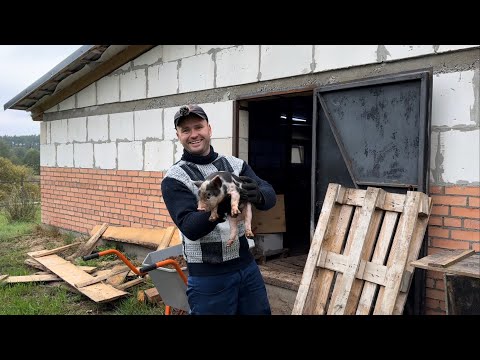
21,66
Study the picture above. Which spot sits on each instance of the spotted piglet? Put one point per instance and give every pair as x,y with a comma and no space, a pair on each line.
216,187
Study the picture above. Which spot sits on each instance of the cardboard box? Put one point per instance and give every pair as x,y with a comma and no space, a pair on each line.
270,221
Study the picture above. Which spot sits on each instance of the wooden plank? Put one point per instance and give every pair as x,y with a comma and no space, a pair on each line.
318,238
3,277
99,292
451,258
149,238
32,278
34,263
379,256
415,246
367,270
130,283
101,277
356,197
397,260
118,278
348,289
320,288
40,253
271,221
469,266
87,248
284,280
167,237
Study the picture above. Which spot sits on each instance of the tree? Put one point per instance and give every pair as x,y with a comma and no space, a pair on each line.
5,151
32,160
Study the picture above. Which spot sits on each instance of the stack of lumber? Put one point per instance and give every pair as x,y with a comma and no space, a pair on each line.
102,285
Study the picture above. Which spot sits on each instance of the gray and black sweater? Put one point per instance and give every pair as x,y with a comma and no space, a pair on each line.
204,241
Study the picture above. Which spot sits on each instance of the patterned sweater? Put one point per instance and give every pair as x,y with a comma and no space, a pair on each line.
204,241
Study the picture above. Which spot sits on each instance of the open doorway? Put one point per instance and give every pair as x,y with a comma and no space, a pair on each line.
280,151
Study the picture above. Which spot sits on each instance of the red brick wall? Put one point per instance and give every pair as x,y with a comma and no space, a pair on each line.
79,199
454,224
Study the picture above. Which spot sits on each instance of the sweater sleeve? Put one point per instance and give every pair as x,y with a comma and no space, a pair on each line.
265,188
182,205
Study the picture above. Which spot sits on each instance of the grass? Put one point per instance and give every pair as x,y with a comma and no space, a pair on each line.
45,298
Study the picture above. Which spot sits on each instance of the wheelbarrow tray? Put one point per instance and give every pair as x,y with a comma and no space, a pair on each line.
169,284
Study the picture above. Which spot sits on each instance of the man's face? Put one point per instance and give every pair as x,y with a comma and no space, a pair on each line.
194,134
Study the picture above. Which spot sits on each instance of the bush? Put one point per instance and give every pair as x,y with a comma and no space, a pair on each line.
18,194
21,204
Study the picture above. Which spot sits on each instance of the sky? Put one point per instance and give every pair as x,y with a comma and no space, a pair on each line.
21,66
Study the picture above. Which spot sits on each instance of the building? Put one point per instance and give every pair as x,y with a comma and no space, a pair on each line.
107,133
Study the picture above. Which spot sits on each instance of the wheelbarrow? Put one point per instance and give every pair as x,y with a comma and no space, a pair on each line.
171,284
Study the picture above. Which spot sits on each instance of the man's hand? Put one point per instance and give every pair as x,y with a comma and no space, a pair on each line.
251,191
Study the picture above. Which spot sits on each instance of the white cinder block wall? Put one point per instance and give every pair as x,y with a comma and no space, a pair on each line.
145,140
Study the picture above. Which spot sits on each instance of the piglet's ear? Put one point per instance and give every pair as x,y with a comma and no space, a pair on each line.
198,183
217,181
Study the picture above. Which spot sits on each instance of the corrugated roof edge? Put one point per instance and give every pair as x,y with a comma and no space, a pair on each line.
52,73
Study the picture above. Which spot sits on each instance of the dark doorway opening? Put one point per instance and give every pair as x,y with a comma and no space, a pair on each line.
280,151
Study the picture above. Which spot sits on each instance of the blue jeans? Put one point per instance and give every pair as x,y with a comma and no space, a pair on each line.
237,293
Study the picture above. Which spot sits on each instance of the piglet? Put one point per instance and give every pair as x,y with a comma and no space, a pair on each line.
216,187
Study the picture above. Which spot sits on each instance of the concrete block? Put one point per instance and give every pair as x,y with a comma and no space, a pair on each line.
396,52
133,85
169,132
461,159
453,98
58,130
97,128
121,126
67,104
150,57
329,57
65,155
105,155
222,146
178,150
278,61
43,133
158,155
196,73
130,155
220,117
52,109
83,155
202,49
87,97
237,65
148,124
48,155
108,89
162,79
77,129
175,52
443,48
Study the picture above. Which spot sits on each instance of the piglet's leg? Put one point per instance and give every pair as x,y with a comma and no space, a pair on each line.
248,221
233,230
235,199
213,214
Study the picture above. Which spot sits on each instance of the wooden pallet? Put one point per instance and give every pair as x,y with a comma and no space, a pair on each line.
359,258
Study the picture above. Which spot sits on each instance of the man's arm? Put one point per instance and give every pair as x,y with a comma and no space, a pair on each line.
268,197
182,205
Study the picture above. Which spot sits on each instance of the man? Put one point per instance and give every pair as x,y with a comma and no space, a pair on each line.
221,279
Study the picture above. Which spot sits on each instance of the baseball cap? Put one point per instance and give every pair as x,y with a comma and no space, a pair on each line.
187,110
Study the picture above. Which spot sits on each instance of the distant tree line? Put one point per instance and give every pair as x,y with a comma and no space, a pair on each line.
22,150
